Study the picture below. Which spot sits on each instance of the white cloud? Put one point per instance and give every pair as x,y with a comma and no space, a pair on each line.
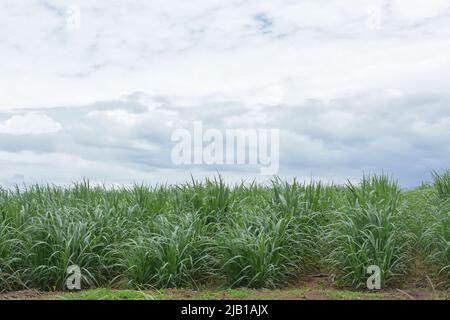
326,139
29,123
414,11
119,116
311,49
347,96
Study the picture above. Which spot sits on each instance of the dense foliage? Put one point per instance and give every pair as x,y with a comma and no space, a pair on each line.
210,233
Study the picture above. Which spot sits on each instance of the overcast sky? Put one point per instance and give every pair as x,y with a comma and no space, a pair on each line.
352,85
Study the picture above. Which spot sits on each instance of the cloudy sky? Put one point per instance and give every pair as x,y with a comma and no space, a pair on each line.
95,89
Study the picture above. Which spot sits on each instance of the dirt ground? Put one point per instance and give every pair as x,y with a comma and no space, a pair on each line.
313,288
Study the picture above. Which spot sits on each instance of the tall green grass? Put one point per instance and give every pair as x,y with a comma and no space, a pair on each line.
174,252
436,237
370,230
212,233
260,249
441,184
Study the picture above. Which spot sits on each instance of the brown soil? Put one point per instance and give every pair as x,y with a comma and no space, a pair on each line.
318,287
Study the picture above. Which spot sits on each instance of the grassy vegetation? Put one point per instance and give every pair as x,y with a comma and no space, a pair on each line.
213,234
107,294
303,293
370,230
